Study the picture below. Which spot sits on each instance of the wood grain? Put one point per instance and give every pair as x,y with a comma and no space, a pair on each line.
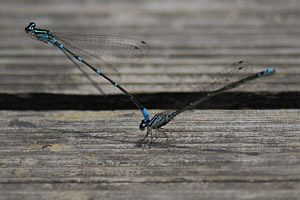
188,40
210,154
218,154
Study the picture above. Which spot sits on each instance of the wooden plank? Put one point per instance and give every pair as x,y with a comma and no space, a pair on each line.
213,154
155,190
189,40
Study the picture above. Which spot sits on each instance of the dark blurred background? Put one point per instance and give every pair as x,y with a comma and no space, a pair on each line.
190,40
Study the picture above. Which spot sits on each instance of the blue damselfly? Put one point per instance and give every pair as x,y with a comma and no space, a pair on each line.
112,49
115,49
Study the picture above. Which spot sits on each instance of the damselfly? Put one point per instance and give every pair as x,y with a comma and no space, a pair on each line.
116,49
231,77
112,49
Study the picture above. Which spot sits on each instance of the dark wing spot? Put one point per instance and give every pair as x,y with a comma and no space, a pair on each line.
136,48
143,42
240,68
240,62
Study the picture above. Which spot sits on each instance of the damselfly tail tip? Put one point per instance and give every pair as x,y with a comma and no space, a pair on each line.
146,114
144,123
269,71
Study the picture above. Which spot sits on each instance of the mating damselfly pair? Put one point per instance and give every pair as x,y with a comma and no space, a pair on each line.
116,49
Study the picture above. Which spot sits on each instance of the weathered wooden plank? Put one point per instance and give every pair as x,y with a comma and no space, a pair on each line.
155,190
190,37
92,155
217,154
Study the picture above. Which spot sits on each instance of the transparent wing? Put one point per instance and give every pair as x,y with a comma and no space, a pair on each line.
211,82
111,49
232,73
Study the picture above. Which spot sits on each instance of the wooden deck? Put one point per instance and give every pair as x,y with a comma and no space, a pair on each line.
210,154
93,155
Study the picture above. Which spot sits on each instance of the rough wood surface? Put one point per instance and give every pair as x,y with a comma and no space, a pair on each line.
189,39
219,154
216,154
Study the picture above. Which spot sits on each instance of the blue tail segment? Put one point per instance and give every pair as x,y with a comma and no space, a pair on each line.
146,114
267,72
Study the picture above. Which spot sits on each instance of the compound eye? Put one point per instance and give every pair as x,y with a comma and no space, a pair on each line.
143,125
30,27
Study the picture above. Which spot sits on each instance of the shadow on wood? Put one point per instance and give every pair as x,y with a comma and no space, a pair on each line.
231,100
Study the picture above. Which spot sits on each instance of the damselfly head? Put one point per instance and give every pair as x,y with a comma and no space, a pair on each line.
143,125
31,26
